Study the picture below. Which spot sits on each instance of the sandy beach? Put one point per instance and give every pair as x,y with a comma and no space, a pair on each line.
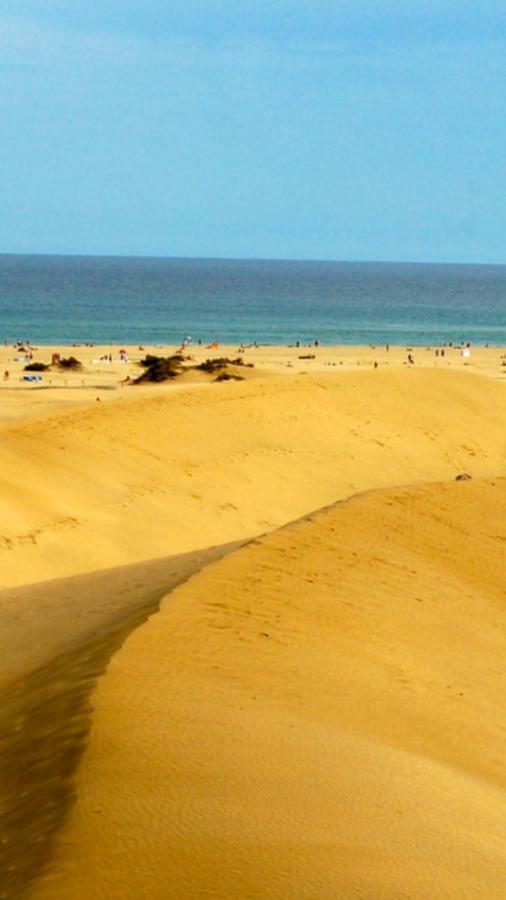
313,708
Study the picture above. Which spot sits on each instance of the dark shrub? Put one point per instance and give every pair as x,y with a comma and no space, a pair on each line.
159,368
226,376
70,362
212,365
150,360
36,367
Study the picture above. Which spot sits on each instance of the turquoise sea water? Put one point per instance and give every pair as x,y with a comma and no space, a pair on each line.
137,300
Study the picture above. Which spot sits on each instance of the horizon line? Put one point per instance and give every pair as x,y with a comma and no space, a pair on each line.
397,262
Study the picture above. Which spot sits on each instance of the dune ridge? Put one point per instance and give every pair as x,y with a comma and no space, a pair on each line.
317,714
45,685
173,473
224,462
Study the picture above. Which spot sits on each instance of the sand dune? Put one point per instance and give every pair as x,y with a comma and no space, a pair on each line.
318,714
57,639
40,621
119,483
171,474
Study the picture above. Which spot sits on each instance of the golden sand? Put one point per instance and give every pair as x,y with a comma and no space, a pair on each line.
105,380
297,721
155,474
317,715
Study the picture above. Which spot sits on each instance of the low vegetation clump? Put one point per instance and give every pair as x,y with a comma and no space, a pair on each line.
159,368
213,365
163,368
150,360
69,362
227,376
36,367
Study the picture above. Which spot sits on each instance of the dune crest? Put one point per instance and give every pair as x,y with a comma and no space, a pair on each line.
316,715
147,477
130,495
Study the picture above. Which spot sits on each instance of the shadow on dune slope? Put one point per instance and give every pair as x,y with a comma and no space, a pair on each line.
49,672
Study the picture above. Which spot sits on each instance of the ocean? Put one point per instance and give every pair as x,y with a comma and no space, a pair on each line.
77,299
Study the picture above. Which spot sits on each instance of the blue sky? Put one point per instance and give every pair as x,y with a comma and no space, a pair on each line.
312,130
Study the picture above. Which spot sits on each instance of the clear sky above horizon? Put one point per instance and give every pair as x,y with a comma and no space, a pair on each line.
360,129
